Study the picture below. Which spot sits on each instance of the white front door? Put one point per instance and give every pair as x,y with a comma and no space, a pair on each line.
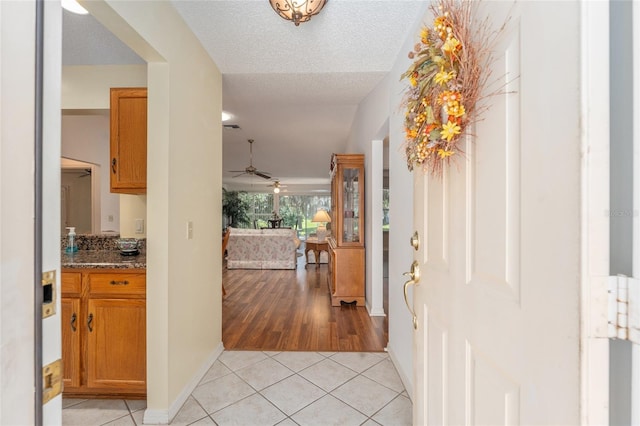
498,301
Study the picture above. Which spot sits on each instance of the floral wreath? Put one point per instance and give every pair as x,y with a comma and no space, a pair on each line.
446,78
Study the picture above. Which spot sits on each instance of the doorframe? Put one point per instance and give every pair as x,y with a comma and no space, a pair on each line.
635,350
594,73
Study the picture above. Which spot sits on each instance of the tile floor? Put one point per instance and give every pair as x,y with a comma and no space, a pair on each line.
275,388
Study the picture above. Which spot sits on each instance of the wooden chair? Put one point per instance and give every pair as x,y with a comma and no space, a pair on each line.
225,241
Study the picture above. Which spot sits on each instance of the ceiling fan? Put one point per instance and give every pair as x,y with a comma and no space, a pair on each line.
250,170
276,185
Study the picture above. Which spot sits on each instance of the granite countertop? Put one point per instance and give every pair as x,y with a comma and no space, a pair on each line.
104,259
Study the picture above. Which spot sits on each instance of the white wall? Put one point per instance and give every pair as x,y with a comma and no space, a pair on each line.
17,46
379,114
86,87
86,138
184,333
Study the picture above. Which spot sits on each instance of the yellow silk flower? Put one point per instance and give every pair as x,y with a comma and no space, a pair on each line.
449,130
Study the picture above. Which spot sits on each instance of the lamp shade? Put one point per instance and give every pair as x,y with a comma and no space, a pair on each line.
297,11
321,216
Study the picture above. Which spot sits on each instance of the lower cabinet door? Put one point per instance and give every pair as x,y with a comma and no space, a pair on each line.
116,344
70,307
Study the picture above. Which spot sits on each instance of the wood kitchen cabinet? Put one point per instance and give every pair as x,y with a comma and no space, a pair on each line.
104,332
128,140
346,242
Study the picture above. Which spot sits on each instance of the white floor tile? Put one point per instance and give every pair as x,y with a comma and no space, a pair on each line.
190,412
293,394
229,398
136,404
69,402
236,360
364,395
122,421
328,411
357,361
138,417
397,413
297,361
204,421
251,411
327,374
94,412
264,373
217,370
385,373
219,393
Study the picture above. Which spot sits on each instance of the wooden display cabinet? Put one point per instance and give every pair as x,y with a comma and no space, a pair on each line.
346,242
104,332
128,140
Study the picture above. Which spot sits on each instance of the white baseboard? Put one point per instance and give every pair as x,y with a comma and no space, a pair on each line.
375,312
406,381
164,417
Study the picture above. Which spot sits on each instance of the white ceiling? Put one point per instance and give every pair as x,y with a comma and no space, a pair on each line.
294,90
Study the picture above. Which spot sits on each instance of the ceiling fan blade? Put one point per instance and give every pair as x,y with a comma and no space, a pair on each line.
240,174
262,175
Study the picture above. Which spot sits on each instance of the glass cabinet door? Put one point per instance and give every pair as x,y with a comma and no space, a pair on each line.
351,205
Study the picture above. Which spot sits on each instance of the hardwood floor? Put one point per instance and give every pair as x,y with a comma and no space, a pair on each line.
290,310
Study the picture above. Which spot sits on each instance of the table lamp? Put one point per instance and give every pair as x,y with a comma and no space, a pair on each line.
321,217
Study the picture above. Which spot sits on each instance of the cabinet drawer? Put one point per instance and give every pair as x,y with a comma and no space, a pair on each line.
117,284
71,282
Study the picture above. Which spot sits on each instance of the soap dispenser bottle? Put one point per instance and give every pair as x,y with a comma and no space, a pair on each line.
71,243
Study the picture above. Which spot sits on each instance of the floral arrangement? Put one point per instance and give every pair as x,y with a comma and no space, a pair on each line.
450,69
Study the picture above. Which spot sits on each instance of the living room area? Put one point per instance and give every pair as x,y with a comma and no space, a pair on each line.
277,275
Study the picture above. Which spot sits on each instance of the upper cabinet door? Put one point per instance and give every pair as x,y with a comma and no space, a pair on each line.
129,140
347,197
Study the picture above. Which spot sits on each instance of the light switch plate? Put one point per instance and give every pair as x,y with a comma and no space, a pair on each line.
189,230
139,226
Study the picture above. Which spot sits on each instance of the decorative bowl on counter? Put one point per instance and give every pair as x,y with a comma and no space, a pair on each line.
127,245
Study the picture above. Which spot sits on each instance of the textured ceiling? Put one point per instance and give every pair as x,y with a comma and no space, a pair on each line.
294,90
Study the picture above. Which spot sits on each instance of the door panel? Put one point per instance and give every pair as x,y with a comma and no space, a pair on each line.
494,397
437,342
493,184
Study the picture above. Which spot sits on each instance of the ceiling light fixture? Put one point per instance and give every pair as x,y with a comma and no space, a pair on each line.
74,6
297,10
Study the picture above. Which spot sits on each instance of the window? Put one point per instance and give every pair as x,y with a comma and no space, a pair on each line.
295,210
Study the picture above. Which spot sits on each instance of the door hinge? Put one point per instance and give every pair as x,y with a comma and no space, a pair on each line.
624,308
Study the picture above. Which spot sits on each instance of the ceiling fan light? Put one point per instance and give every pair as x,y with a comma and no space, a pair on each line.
297,11
276,190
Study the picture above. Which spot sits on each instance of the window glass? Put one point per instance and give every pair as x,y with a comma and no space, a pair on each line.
295,210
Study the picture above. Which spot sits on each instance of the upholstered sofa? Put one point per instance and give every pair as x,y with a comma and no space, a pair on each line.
262,248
